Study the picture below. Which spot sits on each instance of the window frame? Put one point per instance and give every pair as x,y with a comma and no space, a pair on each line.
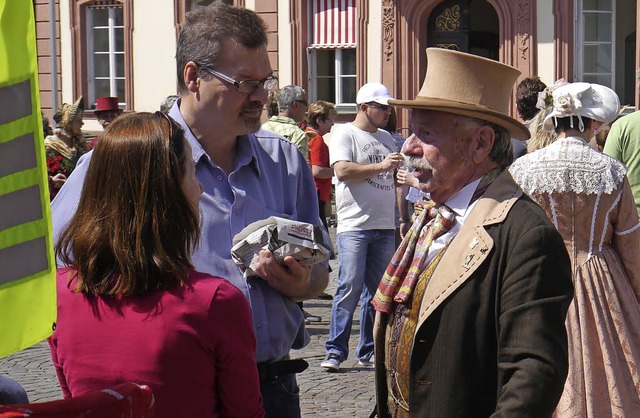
80,49
581,43
112,52
338,76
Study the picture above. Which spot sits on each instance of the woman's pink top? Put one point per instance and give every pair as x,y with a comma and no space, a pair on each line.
193,345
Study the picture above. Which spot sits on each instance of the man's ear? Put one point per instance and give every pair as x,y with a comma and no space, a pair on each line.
483,143
191,79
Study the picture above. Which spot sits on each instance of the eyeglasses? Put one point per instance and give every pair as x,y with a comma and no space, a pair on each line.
377,105
245,86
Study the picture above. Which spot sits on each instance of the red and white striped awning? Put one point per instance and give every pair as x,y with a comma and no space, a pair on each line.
334,24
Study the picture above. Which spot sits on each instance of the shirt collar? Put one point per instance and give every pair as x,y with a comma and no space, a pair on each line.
246,152
460,202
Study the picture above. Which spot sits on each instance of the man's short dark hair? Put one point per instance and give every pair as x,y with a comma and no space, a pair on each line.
527,96
206,29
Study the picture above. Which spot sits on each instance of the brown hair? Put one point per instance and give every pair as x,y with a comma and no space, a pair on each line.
320,110
205,30
134,229
527,96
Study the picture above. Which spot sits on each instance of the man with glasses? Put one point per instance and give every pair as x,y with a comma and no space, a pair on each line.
364,158
292,109
224,74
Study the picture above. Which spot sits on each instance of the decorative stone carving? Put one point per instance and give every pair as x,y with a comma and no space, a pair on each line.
523,23
388,25
453,47
448,20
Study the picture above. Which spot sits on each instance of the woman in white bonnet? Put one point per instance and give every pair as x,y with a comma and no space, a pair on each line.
587,196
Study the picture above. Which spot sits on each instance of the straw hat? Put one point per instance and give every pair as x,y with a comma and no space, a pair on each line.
468,85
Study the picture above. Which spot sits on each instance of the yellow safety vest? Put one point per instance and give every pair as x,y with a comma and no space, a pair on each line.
27,264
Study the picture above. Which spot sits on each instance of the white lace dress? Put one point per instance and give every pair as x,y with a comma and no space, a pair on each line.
587,196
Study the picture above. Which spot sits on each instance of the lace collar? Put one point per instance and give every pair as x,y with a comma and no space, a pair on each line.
568,165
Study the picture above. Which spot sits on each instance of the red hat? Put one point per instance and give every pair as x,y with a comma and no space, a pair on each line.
105,104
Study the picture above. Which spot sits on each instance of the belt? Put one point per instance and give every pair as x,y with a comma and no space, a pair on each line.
272,371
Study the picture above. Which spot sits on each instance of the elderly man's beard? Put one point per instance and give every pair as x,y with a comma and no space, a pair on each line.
252,124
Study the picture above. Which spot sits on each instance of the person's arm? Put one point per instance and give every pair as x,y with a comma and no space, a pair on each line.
293,280
318,157
234,345
626,236
290,278
322,172
66,393
300,139
348,171
403,209
534,295
613,144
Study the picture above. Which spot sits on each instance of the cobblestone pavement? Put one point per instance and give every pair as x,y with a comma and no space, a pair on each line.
347,393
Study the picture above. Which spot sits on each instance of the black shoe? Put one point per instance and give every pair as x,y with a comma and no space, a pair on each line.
324,296
308,318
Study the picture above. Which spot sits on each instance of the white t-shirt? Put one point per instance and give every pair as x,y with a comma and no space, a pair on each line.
368,204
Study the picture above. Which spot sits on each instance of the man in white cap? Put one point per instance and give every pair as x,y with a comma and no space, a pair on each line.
470,311
364,158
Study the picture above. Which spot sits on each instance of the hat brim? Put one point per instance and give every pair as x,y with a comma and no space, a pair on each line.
380,100
516,129
383,100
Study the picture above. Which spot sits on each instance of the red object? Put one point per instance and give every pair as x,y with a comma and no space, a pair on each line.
125,400
319,155
105,104
192,344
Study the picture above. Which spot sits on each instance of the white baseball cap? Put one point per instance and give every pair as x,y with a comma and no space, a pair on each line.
373,92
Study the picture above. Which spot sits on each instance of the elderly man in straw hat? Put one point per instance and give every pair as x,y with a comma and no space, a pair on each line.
470,311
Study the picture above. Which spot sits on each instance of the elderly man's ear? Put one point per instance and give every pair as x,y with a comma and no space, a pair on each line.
482,141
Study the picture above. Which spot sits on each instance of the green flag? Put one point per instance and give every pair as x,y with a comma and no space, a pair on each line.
27,264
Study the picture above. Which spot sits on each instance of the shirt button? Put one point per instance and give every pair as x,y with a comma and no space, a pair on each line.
219,177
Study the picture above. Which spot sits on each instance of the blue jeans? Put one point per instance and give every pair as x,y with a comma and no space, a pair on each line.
281,398
363,257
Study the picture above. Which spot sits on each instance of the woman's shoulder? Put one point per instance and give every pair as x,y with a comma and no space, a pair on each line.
218,287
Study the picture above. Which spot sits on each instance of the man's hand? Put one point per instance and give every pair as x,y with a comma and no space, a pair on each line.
392,161
404,228
292,279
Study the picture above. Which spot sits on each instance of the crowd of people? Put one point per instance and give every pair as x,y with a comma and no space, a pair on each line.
509,286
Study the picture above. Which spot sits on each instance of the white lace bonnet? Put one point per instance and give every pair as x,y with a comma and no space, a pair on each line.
592,101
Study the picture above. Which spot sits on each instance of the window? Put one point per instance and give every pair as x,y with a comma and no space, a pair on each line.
102,45
332,67
105,53
335,75
595,49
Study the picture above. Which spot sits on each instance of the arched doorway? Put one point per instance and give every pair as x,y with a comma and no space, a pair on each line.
465,25
406,36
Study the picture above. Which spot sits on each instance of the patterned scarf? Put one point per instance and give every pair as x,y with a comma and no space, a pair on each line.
402,273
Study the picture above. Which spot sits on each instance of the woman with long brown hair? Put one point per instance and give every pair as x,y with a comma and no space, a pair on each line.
130,305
